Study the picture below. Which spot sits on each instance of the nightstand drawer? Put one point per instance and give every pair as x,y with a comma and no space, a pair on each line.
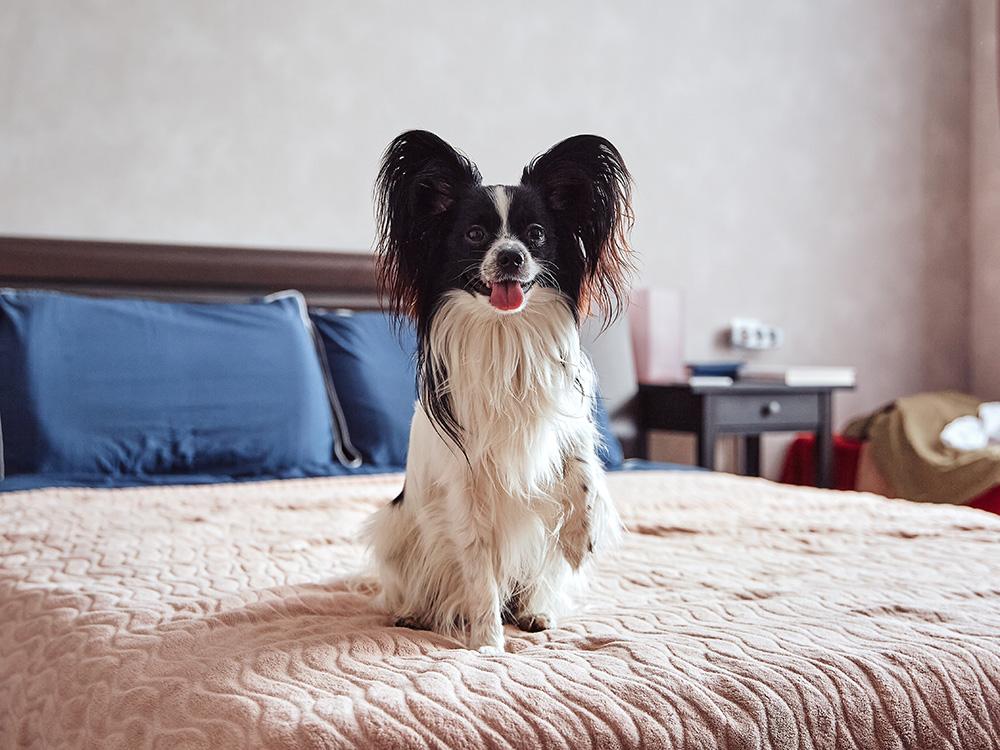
767,411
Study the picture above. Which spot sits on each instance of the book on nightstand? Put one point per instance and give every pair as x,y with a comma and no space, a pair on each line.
696,381
801,376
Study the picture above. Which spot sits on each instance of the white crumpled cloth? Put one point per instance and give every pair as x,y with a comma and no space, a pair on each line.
973,433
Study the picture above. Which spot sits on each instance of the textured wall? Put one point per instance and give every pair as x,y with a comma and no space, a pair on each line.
985,293
802,162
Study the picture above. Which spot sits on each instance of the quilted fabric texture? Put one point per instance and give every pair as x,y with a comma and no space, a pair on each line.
737,614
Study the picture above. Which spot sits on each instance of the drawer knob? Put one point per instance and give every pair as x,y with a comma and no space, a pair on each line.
771,408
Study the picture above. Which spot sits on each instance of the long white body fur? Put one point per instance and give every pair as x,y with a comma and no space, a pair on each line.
507,527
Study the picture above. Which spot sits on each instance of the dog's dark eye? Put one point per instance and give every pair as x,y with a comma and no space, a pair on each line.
476,234
536,234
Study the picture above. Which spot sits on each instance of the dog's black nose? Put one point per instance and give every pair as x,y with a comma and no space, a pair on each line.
510,260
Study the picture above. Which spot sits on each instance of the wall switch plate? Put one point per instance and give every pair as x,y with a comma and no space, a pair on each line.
750,333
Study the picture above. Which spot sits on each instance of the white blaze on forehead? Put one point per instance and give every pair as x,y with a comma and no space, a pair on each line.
501,199
489,269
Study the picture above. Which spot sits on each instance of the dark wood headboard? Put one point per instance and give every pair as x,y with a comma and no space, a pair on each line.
188,272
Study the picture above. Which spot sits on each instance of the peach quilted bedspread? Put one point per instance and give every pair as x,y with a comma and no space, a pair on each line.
737,614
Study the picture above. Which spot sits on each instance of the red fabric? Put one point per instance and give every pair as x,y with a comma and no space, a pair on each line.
800,461
989,501
800,468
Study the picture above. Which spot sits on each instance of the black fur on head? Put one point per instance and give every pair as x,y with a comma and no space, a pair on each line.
588,189
418,185
440,229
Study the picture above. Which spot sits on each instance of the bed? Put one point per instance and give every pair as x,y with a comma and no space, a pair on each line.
737,613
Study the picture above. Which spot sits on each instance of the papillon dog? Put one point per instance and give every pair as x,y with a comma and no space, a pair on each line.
505,500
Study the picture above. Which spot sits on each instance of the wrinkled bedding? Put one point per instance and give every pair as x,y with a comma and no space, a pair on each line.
737,614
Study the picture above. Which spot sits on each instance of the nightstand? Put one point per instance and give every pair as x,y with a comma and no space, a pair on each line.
746,409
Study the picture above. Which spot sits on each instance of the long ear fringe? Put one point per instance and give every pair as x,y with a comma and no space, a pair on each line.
612,269
603,229
417,164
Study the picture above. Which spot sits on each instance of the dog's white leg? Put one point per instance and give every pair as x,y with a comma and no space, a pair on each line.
588,513
472,539
576,495
482,599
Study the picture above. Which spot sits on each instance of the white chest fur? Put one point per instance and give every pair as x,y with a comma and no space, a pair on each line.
520,386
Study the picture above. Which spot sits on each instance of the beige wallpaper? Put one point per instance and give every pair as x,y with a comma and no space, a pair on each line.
802,162
985,291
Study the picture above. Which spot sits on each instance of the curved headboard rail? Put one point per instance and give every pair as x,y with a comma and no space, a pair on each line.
187,272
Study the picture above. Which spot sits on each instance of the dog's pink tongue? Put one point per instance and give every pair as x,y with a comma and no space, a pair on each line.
506,295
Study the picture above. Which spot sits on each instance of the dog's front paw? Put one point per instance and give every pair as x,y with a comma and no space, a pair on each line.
535,622
488,646
486,640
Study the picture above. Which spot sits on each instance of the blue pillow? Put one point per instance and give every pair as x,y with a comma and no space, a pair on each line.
610,449
131,387
373,368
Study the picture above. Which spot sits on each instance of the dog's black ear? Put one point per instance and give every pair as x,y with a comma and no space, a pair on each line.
417,185
586,185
